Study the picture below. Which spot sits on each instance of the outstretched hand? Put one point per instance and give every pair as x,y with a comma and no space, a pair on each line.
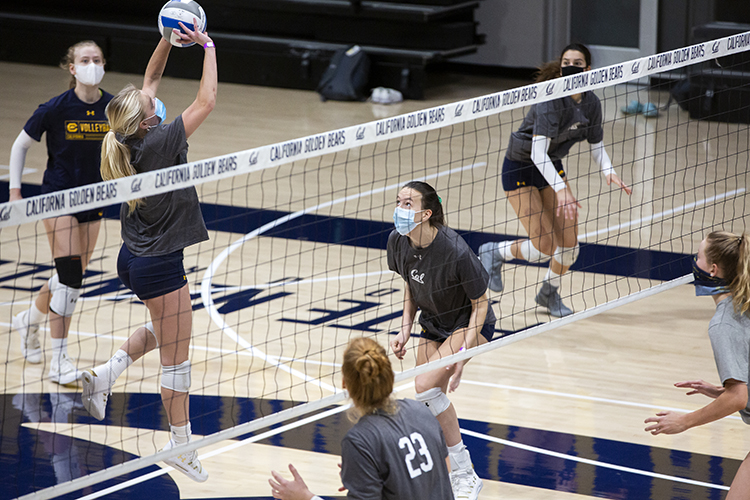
187,35
289,490
665,422
701,387
614,178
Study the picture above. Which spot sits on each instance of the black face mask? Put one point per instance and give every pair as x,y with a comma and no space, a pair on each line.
571,70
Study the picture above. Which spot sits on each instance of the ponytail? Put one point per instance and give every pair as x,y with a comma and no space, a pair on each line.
741,284
368,376
124,113
731,252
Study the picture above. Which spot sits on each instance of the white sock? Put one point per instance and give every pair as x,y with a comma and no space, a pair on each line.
114,367
36,317
505,253
180,435
59,348
459,457
553,278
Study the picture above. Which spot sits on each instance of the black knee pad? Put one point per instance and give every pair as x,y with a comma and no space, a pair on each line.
70,271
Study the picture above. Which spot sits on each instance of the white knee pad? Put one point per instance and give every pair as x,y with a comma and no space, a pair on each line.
53,282
64,299
434,399
567,255
531,254
176,377
150,327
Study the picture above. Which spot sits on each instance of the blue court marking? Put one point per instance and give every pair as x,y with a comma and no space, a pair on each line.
593,257
35,459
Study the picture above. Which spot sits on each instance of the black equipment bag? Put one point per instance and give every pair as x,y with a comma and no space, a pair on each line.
346,77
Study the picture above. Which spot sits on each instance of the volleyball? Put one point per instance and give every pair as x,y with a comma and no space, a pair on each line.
180,11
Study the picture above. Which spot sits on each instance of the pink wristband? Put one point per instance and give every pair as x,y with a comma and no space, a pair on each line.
209,45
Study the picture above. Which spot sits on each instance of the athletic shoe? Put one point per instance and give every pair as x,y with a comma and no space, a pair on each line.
466,484
650,110
62,371
492,261
187,463
30,346
633,108
382,95
549,298
96,391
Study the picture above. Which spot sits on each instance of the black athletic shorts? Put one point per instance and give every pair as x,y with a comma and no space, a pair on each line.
488,331
150,277
89,215
517,174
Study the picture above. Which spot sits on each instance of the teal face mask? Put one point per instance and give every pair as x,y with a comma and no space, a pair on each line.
705,284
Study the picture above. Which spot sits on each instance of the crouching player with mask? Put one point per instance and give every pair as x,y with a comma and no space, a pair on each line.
446,280
722,271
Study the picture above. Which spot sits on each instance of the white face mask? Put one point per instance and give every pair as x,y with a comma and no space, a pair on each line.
89,74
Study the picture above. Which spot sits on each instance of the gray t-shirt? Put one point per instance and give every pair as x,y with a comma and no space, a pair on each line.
168,222
564,121
442,278
730,339
396,456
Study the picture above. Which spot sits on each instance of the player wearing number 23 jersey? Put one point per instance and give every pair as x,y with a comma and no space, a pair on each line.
396,456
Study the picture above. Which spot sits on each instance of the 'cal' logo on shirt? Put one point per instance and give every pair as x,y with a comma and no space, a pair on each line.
419,278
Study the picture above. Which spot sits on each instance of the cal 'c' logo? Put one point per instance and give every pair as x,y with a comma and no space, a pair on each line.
419,278
135,186
5,213
72,127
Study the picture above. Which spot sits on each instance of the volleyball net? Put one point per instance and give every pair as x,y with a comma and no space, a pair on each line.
295,266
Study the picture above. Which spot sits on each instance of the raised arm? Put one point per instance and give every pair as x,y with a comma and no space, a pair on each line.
205,101
155,68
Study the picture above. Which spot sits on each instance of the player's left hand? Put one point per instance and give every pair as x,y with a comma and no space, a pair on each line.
665,422
458,370
614,178
289,490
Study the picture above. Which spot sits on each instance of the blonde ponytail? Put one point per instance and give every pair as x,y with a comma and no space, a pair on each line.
731,252
741,284
124,113
368,376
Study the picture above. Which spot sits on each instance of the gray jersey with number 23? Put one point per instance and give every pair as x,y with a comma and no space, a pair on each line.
396,456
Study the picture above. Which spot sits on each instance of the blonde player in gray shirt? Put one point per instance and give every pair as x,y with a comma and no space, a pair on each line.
722,270
396,450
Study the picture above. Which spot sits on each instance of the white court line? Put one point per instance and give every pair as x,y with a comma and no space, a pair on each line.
233,446
596,463
206,283
665,213
7,176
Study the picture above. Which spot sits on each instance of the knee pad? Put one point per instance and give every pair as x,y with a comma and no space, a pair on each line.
176,377
53,283
531,254
150,327
70,271
567,255
434,399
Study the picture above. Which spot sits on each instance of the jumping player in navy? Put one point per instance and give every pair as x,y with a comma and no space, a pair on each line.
75,124
537,187
155,231
444,278
396,450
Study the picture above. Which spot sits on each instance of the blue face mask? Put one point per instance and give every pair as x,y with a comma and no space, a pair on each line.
160,111
705,284
403,218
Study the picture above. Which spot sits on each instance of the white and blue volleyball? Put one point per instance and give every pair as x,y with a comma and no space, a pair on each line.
180,11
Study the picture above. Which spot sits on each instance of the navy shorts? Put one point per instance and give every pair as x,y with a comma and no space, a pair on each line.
517,174
151,277
488,331
89,215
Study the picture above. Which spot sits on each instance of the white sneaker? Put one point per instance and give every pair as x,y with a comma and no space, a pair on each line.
96,392
466,484
63,371
30,346
187,463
